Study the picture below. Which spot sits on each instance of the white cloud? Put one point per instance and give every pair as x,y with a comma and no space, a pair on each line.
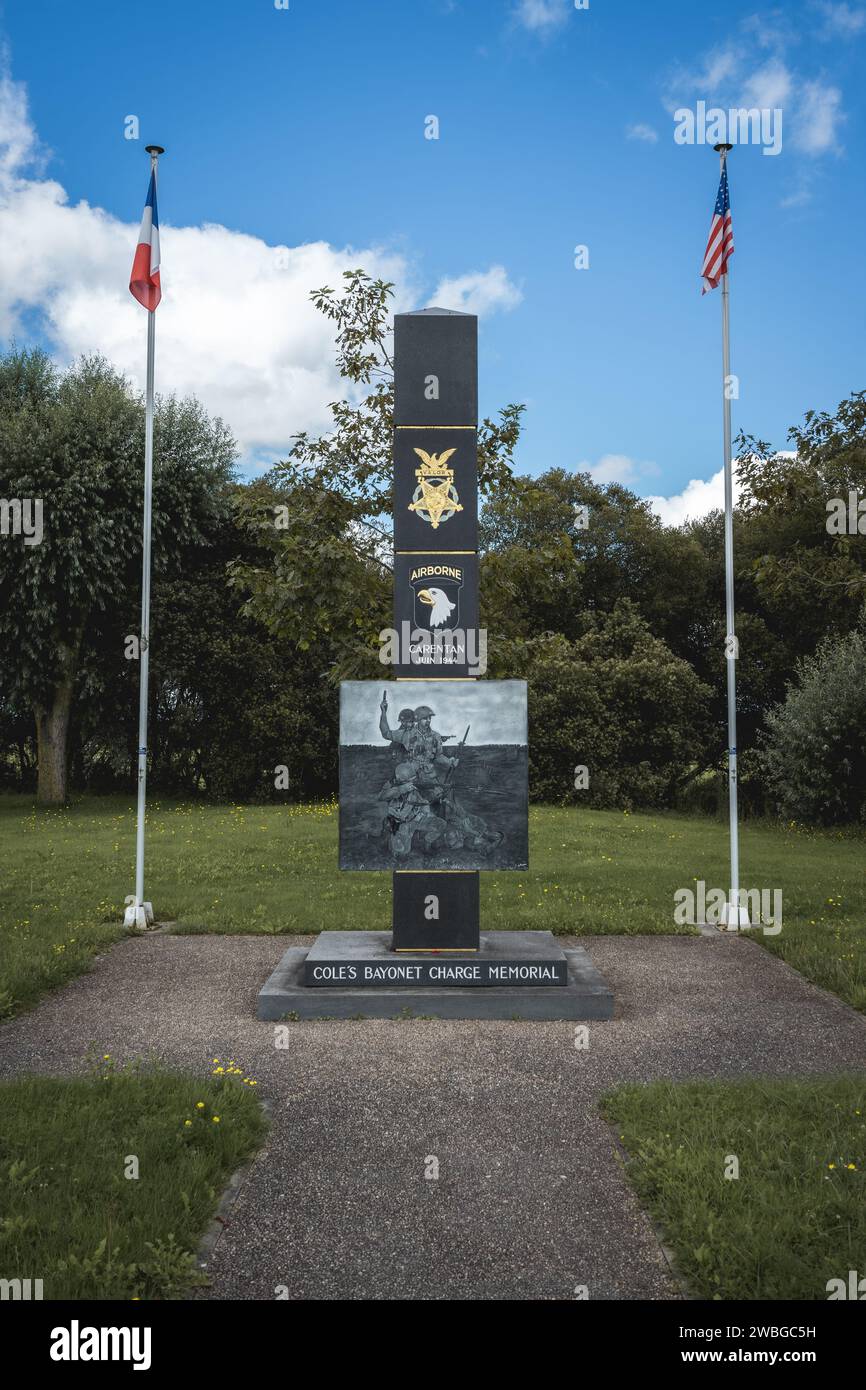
18,144
728,77
611,468
481,292
696,500
801,195
769,86
235,326
718,66
541,16
641,132
617,468
817,118
842,21
772,30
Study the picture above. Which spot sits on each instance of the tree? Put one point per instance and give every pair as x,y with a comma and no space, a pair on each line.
324,514
767,647
232,702
814,754
810,576
229,702
795,581
560,546
75,441
617,702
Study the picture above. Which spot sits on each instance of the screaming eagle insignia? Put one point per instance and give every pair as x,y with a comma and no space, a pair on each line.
435,498
437,603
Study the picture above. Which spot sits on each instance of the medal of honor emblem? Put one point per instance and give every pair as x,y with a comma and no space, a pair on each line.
435,498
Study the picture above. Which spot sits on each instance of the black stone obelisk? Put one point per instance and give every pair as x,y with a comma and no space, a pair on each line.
435,548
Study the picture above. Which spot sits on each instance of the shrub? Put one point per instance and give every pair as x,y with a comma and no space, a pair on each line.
616,701
814,752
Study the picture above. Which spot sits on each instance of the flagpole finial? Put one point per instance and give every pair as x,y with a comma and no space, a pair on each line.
718,148
155,151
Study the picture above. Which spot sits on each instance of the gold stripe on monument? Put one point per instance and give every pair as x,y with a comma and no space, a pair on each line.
435,427
436,950
435,871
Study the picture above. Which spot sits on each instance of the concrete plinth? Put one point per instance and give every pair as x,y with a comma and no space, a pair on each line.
522,975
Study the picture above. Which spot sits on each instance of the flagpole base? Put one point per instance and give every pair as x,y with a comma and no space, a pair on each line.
733,917
138,915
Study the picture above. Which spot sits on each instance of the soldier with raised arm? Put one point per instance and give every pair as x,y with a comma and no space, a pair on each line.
401,737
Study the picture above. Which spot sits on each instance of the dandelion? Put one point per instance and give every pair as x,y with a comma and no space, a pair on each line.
199,1105
187,1122
216,1119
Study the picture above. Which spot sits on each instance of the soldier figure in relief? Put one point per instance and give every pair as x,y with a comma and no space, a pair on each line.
401,737
428,752
419,795
409,811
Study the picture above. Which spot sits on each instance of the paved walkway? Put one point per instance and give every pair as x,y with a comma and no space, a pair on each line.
531,1200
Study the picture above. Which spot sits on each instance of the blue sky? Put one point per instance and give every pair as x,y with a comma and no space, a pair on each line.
305,128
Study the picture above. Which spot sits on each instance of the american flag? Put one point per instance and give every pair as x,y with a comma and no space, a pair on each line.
720,242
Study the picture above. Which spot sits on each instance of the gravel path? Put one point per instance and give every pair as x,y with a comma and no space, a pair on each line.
530,1201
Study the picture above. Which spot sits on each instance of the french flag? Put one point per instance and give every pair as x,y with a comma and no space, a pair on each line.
144,280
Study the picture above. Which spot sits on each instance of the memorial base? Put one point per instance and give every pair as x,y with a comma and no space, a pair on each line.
515,975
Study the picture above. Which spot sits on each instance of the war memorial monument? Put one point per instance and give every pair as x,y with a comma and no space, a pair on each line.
434,763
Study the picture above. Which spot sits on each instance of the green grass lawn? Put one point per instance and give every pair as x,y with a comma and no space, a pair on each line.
274,869
71,1217
796,1215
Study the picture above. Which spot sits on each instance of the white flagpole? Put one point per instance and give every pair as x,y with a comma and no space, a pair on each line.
140,913
734,914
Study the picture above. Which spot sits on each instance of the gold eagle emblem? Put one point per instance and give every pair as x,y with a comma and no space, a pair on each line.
435,499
